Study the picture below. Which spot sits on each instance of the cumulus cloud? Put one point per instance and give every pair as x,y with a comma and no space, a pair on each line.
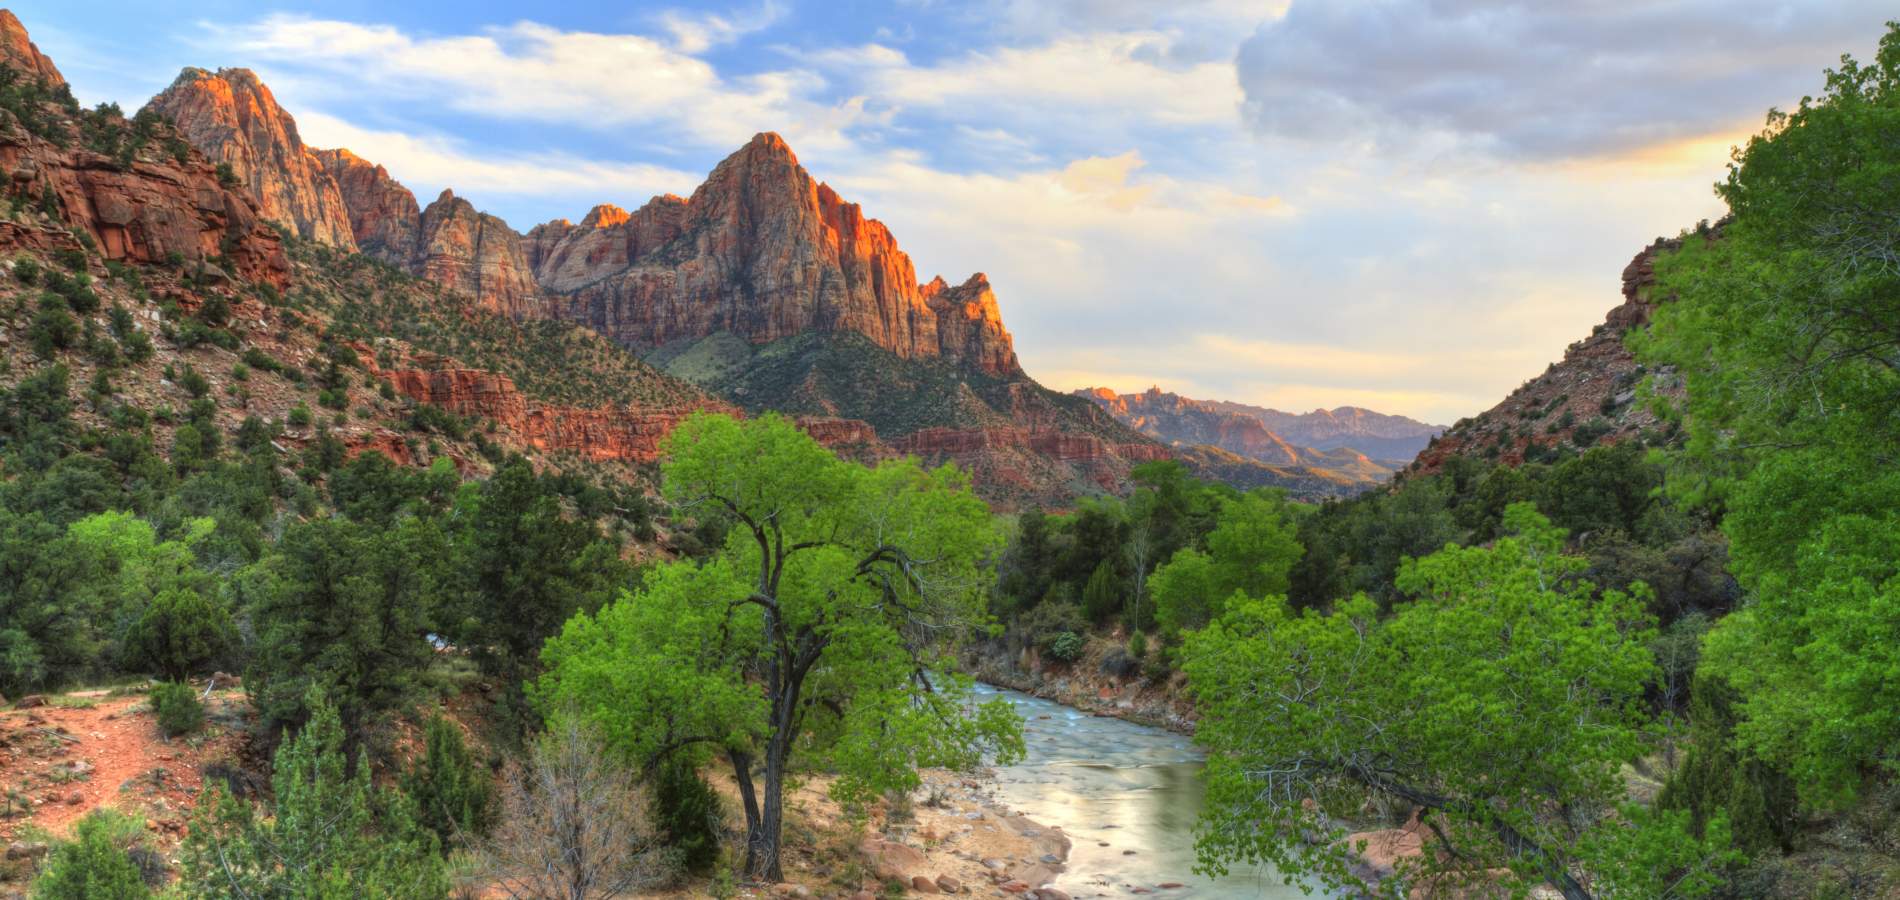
1530,79
532,71
428,163
697,32
1126,72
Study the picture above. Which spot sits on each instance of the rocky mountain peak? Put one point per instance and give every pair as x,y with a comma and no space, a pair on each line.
763,251
18,51
606,215
232,118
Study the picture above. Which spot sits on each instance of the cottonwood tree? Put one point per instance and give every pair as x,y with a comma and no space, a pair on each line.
1499,703
823,626
1785,325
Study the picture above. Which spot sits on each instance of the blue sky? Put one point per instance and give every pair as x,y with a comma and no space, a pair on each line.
1411,205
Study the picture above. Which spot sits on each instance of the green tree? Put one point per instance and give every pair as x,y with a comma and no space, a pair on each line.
97,864
1251,552
345,607
179,633
453,793
1506,689
525,567
822,627
1782,325
324,836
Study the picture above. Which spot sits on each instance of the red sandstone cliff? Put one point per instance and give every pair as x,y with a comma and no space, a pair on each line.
337,198
602,434
232,118
765,252
384,217
475,253
18,51
141,213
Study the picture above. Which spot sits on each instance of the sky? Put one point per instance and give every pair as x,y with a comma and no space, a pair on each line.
1409,205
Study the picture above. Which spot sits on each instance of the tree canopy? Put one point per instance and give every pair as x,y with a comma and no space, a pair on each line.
823,625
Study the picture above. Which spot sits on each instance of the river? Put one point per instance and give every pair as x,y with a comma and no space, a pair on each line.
1114,786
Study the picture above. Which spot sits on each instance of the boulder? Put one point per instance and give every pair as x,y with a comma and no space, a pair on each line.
890,860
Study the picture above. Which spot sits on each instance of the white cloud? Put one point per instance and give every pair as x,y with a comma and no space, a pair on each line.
1529,79
696,32
426,164
1122,73
536,72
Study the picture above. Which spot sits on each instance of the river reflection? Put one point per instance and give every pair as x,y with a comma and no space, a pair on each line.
1126,786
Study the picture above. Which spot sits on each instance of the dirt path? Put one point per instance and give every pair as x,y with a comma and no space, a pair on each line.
68,758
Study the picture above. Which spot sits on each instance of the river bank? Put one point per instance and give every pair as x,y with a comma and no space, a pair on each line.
951,836
1104,680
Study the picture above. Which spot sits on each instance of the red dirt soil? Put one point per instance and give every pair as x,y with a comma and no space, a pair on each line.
68,761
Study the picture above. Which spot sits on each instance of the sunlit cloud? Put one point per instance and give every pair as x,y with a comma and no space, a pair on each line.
427,164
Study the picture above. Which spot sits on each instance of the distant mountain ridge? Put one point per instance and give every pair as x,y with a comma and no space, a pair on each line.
1355,443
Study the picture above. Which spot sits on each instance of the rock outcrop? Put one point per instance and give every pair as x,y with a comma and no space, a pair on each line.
1587,398
629,434
154,210
763,251
18,52
340,199
384,217
232,118
475,253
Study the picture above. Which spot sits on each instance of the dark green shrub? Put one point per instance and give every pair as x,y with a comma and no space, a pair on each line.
26,270
180,632
454,793
53,329
300,416
71,257
686,811
1719,777
226,175
100,863
1065,646
1138,645
177,709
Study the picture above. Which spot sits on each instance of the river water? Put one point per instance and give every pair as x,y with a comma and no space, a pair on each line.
1115,786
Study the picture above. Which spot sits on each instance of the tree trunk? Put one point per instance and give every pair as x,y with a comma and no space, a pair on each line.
763,862
755,835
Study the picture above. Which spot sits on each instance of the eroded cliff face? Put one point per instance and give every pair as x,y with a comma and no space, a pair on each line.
763,251
1587,398
140,213
383,214
231,117
337,198
475,253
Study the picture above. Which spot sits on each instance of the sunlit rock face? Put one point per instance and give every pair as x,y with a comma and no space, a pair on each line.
153,210
231,117
384,217
18,52
763,251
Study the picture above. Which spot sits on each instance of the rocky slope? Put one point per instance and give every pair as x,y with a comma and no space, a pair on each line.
136,204
1587,398
761,251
